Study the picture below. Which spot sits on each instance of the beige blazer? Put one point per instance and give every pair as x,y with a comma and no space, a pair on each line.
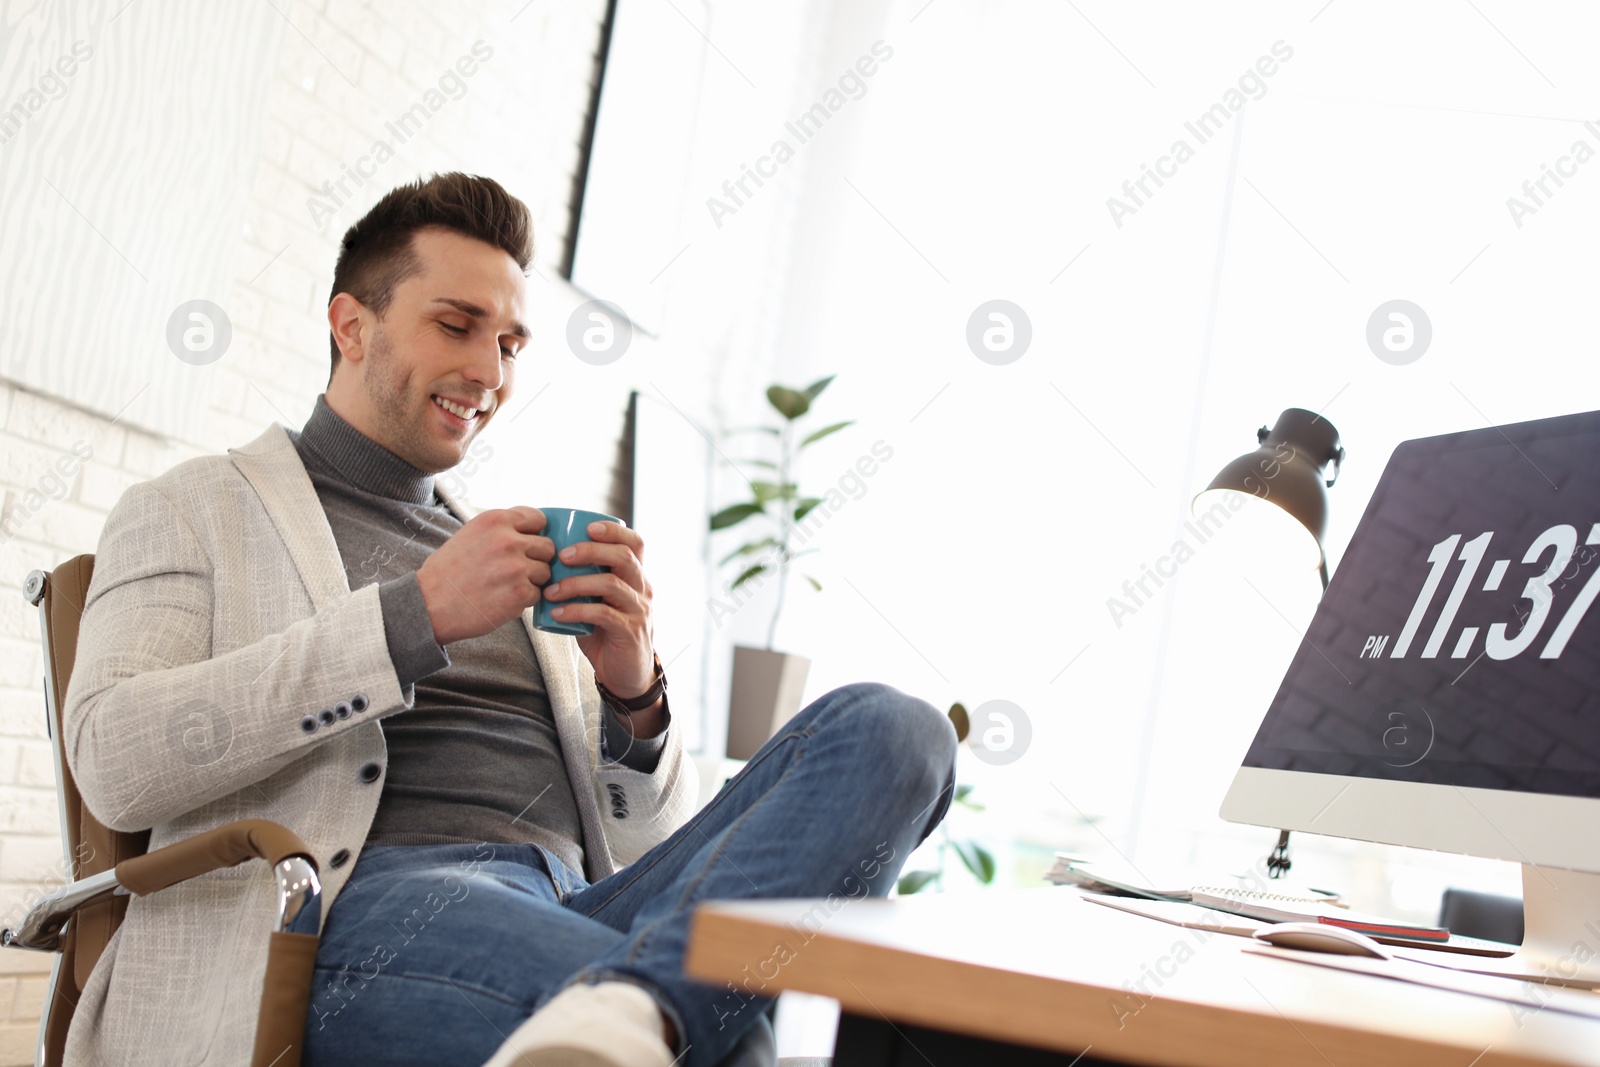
219,605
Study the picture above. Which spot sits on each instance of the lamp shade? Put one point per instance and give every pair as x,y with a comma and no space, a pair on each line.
1289,469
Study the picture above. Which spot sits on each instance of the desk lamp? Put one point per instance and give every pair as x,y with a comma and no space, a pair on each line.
1289,469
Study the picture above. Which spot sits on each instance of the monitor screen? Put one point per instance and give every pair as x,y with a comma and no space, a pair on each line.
1455,645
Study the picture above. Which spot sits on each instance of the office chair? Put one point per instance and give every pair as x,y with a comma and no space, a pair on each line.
77,920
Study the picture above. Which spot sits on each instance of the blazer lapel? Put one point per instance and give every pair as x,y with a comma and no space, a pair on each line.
273,468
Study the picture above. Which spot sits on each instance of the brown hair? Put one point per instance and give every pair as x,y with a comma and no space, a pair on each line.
377,254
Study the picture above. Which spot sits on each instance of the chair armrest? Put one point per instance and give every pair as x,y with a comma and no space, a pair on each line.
42,928
225,846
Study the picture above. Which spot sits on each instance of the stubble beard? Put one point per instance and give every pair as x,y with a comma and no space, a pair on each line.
402,415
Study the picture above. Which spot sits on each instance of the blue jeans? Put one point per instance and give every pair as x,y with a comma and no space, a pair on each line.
433,954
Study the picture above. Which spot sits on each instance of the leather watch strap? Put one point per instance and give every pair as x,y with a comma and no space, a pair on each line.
658,689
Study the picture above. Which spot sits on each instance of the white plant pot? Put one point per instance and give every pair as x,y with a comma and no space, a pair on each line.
765,694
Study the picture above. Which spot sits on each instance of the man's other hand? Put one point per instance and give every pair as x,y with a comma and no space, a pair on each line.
487,573
621,647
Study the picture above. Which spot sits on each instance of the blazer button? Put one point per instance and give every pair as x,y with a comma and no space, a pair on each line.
339,859
342,709
358,703
309,724
370,772
326,717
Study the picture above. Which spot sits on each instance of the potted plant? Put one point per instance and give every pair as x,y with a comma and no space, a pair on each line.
767,684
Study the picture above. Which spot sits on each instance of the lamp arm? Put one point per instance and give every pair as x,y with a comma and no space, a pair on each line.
1278,862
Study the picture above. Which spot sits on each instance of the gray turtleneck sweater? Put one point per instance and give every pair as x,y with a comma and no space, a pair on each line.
477,757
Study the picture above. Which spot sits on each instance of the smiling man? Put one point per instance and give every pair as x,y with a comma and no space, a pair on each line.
502,816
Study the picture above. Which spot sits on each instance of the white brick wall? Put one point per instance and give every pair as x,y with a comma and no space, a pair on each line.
22,985
519,121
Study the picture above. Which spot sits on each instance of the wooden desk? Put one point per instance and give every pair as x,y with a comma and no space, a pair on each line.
1044,969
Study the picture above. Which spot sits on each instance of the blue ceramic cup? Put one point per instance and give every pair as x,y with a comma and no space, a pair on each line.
567,526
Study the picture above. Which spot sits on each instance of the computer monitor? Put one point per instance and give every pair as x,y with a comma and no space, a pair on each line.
1446,695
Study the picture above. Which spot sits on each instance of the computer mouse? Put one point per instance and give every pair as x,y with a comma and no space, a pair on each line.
1321,937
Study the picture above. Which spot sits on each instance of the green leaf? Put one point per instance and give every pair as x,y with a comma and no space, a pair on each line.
796,555
735,513
790,404
987,859
803,506
963,792
977,859
766,491
815,388
825,431
749,573
814,583
746,549
910,883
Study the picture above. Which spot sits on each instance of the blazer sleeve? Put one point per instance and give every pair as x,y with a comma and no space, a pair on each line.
156,723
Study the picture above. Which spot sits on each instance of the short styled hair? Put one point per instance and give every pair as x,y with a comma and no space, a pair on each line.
377,252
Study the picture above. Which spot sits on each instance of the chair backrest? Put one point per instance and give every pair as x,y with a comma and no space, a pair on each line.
90,847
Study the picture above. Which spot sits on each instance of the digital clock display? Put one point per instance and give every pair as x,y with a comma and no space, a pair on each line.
1457,644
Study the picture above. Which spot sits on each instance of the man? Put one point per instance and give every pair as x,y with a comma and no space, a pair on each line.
502,816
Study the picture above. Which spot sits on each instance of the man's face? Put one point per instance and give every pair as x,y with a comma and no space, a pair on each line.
451,333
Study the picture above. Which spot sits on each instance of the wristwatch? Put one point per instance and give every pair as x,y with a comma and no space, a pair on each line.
657,690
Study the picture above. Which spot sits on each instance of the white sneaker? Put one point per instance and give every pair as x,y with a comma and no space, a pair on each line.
612,1024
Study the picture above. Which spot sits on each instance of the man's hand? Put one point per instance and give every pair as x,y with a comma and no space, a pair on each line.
486,574
620,648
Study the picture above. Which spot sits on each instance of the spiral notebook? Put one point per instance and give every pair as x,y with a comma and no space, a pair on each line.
1286,904
1278,908
1124,879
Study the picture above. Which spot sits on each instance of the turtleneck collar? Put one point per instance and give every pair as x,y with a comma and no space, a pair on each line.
340,449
